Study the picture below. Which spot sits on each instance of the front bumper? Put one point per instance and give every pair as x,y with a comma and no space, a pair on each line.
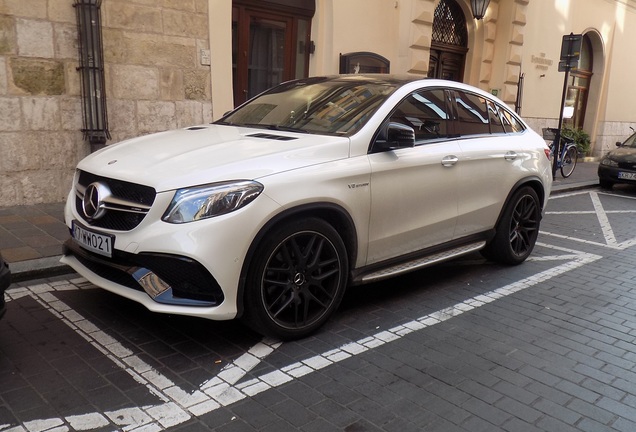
609,173
117,277
168,279
190,269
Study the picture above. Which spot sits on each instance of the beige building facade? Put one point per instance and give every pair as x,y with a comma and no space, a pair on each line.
174,63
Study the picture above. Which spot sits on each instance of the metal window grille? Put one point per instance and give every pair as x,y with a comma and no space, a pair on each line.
91,69
449,24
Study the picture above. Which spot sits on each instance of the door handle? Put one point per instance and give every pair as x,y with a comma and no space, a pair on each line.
510,156
449,161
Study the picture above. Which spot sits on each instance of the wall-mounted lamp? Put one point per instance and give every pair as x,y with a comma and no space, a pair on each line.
91,69
479,8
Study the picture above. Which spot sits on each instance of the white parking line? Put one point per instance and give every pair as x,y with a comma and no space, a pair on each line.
225,389
601,215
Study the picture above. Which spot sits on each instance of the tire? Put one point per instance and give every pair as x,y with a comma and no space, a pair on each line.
517,230
296,280
569,161
605,184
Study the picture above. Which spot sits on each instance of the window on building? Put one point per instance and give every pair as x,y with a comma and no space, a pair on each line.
579,86
270,44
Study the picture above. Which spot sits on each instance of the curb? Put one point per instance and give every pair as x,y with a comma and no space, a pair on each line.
38,269
572,187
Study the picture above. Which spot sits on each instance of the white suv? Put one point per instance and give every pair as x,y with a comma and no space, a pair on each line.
269,213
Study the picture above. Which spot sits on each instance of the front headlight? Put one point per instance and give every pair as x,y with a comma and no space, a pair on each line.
202,202
609,162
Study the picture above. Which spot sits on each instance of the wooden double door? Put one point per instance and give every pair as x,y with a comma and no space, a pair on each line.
447,64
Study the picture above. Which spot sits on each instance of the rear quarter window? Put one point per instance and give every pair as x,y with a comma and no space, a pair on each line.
510,122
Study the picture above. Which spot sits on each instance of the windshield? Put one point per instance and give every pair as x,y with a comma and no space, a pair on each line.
630,142
339,106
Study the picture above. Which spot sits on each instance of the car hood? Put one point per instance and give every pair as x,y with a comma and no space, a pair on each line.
623,154
211,153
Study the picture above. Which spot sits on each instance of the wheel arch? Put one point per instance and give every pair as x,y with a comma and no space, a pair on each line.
332,213
515,236
535,183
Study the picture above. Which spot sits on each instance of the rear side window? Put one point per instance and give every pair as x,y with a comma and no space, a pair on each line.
510,122
426,112
472,114
477,115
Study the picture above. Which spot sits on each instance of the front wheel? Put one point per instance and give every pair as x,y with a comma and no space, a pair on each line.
517,230
569,161
297,279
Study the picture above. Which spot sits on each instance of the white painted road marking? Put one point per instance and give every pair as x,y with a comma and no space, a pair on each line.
225,389
601,215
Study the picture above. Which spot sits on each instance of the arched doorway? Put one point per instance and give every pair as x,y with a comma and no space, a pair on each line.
449,42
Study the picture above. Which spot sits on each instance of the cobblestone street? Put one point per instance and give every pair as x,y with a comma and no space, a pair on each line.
463,346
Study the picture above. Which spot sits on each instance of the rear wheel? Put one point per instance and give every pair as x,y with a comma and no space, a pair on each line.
296,280
517,230
569,161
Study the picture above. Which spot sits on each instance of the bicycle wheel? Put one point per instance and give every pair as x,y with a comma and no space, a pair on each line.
568,161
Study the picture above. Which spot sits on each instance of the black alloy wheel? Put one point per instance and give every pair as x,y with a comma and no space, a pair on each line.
517,230
297,279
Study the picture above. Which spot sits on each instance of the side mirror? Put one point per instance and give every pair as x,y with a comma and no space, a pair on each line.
397,136
618,143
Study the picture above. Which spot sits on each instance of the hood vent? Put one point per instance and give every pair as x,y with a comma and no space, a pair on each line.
272,137
196,128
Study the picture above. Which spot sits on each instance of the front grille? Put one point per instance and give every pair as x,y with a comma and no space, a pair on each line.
123,218
627,165
188,278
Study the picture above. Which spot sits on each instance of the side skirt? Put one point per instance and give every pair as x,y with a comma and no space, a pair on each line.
417,261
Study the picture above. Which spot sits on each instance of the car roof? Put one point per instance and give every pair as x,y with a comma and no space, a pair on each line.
399,80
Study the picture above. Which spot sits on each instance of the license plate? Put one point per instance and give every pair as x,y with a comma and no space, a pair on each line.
93,241
626,175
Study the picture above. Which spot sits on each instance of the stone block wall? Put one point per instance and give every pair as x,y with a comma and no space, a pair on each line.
609,133
154,81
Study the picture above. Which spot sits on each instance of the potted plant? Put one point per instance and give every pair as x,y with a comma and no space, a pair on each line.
580,138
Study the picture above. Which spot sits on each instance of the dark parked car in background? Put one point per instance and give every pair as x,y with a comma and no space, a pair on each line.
619,165
5,280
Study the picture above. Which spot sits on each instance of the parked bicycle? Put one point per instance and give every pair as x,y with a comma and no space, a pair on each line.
568,155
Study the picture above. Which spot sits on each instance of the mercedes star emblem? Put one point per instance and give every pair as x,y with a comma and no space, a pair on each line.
93,201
